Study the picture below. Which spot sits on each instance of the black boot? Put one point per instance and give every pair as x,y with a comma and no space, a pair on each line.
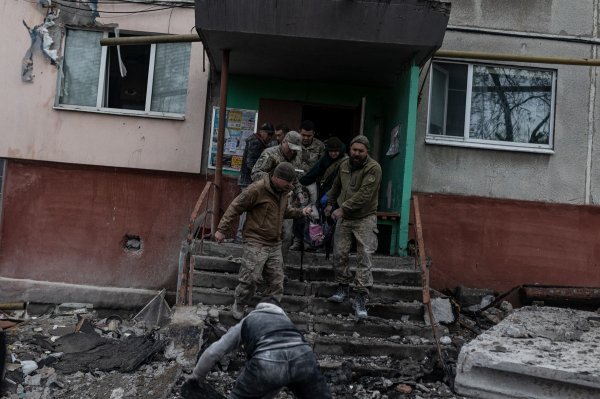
340,294
360,306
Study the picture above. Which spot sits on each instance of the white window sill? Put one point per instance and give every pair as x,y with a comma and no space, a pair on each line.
126,112
459,142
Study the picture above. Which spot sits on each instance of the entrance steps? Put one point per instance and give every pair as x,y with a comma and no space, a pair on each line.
394,331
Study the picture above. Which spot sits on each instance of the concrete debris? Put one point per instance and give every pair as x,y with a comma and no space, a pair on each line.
485,301
68,365
28,366
442,310
185,334
471,296
532,353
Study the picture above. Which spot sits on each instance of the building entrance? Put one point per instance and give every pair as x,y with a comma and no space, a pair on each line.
330,120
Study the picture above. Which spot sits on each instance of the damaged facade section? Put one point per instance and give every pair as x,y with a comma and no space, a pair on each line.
48,35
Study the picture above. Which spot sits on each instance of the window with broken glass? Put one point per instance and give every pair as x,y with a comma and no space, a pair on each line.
491,106
147,80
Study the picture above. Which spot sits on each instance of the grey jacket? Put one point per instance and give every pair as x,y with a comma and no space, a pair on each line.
262,315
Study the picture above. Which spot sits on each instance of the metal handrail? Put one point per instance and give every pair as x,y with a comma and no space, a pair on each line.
185,274
421,262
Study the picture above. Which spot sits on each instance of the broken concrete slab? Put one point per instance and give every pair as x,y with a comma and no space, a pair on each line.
185,332
442,310
471,296
534,353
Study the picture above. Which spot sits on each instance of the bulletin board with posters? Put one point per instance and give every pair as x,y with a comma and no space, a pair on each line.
241,123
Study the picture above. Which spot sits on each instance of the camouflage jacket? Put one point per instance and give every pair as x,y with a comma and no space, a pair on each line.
269,159
311,154
356,190
265,210
254,147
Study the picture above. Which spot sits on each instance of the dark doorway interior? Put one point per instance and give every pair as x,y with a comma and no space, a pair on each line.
342,122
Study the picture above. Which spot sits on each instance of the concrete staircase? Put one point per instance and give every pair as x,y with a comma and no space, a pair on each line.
394,331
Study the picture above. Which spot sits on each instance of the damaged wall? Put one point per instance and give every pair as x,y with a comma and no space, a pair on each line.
499,244
65,223
34,130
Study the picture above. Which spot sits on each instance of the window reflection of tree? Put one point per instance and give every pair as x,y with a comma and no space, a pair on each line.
509,104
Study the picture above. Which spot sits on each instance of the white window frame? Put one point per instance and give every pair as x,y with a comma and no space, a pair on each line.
102,91
466,141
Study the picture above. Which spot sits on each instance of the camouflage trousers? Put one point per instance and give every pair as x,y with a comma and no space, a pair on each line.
262,265
365,232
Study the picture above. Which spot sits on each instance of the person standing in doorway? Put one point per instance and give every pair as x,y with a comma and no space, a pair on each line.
255,145
312,147
280,131
266,203
356,192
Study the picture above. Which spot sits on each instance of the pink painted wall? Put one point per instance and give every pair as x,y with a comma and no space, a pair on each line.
499,244
65,223
32,129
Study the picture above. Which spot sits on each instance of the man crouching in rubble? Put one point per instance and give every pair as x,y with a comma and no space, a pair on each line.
266,205
278,356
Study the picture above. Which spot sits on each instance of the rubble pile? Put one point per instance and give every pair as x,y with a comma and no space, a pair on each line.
74,351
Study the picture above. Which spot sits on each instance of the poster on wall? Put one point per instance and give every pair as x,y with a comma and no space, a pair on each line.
241,123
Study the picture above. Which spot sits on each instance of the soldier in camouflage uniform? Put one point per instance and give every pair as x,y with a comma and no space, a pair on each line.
266,205
288,151
255,145
356,191
312,148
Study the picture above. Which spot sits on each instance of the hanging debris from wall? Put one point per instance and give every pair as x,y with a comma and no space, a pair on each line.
42,36
48,35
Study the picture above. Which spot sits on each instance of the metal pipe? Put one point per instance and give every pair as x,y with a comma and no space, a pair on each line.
12,305
220,142
138,40
526,35
517,58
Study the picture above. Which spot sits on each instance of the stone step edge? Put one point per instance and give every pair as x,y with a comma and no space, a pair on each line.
350,346
404,311
216,280
234,261
373,327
